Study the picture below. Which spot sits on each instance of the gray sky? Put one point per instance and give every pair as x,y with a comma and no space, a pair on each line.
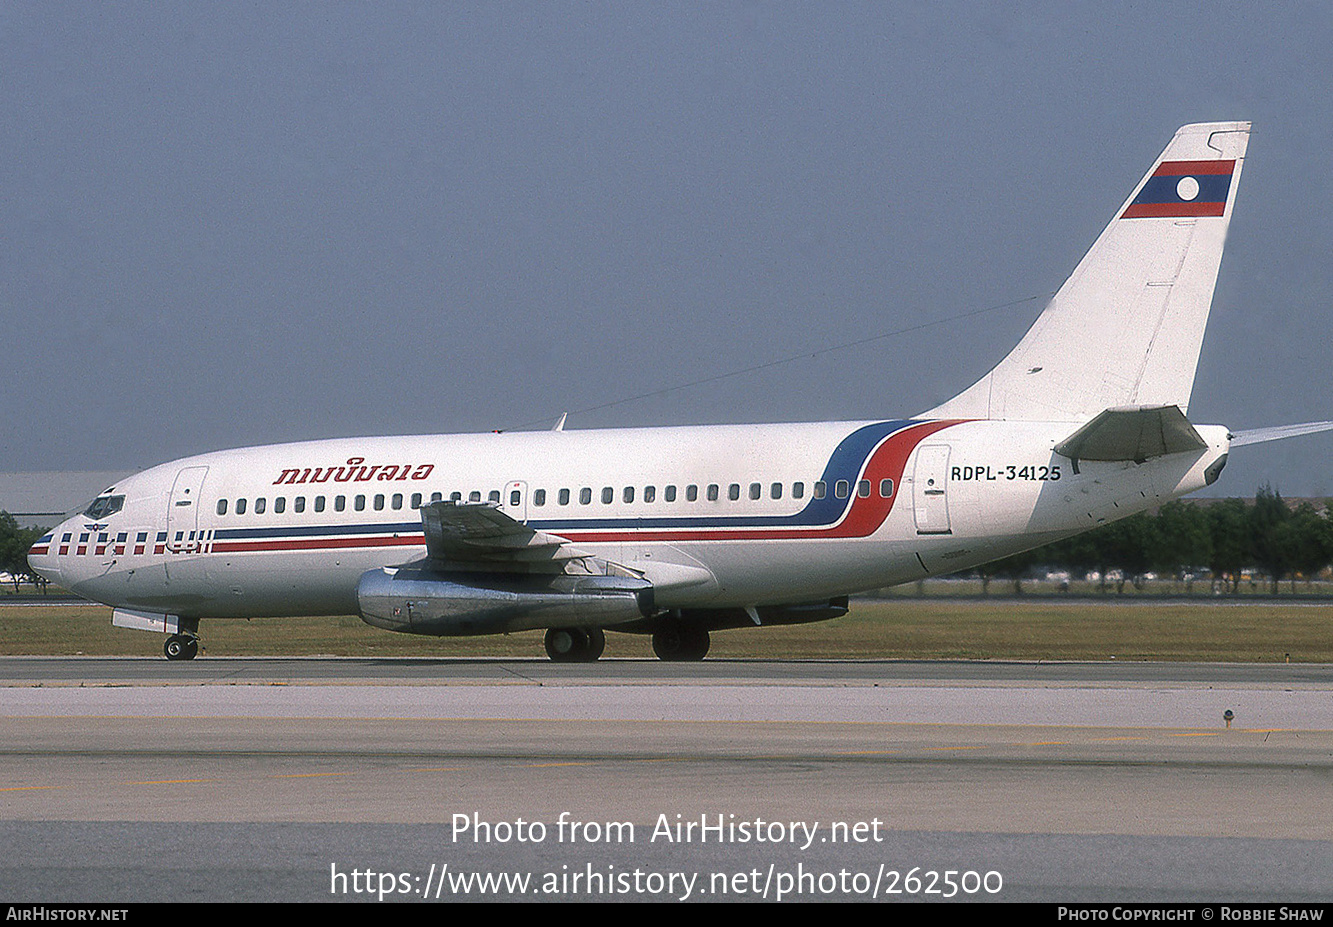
231,223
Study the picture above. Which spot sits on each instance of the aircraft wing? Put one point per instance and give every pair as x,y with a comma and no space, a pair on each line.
460,534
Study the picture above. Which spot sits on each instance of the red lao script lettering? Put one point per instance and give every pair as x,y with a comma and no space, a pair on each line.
355,470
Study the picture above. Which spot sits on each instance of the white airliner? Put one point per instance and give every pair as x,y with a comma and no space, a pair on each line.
677,532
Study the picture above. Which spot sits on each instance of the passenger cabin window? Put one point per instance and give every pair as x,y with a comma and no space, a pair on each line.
775,491
756,490
298,504
397,501
821,490
359,503
585,495
734,491
261,506
339,503
842,489
885,489
319,503
416,500
628,495
379,502
691,493
493,496
669,494
863,489
539,497
607,495
474,496
798,490
280,505
712,492
240,506
563,498
222,506
649,493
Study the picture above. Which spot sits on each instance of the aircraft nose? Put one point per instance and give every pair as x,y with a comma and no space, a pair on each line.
41,560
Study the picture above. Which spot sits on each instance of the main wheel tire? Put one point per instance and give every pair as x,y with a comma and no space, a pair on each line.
596,645
181,647
566,645
681,644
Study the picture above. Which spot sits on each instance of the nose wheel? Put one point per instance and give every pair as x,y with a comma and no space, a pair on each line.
181,647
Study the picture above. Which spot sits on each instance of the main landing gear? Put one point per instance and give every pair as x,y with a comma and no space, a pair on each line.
181,647
681,644
575,645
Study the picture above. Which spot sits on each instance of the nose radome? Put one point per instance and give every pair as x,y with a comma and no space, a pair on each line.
41,560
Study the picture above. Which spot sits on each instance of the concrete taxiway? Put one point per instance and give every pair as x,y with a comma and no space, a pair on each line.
127,779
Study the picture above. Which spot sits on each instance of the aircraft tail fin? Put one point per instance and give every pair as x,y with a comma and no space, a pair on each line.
1125,329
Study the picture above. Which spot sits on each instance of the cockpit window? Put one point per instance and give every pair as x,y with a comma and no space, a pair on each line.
103,506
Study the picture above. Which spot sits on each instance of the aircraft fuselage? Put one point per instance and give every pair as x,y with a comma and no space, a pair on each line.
712,516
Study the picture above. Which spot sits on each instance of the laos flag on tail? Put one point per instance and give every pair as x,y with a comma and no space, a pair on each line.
1183,188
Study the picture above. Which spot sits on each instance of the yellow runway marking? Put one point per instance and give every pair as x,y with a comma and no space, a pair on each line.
29,788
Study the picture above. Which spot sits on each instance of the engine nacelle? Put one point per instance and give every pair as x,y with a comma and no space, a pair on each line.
420,600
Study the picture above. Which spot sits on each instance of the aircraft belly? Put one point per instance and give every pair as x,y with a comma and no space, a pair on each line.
783,571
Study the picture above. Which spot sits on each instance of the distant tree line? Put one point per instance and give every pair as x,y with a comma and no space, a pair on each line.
1183,540
14,544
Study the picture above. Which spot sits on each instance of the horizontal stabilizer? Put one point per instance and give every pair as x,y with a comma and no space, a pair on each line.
1277,433
1134,433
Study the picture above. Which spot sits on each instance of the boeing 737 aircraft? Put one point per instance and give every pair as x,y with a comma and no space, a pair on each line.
677,532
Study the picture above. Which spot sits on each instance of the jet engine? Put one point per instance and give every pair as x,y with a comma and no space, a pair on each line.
421,600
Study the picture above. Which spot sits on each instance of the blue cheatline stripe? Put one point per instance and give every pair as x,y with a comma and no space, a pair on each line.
241,534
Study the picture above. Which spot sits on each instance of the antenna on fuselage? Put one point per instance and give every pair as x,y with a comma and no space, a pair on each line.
560,425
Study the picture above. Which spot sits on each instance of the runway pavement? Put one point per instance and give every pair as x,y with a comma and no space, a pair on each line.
275,779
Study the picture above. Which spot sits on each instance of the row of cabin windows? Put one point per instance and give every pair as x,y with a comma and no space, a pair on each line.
320,503
712,493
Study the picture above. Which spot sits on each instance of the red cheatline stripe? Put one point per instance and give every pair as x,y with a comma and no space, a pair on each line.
408,540
1185,168
1167,210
